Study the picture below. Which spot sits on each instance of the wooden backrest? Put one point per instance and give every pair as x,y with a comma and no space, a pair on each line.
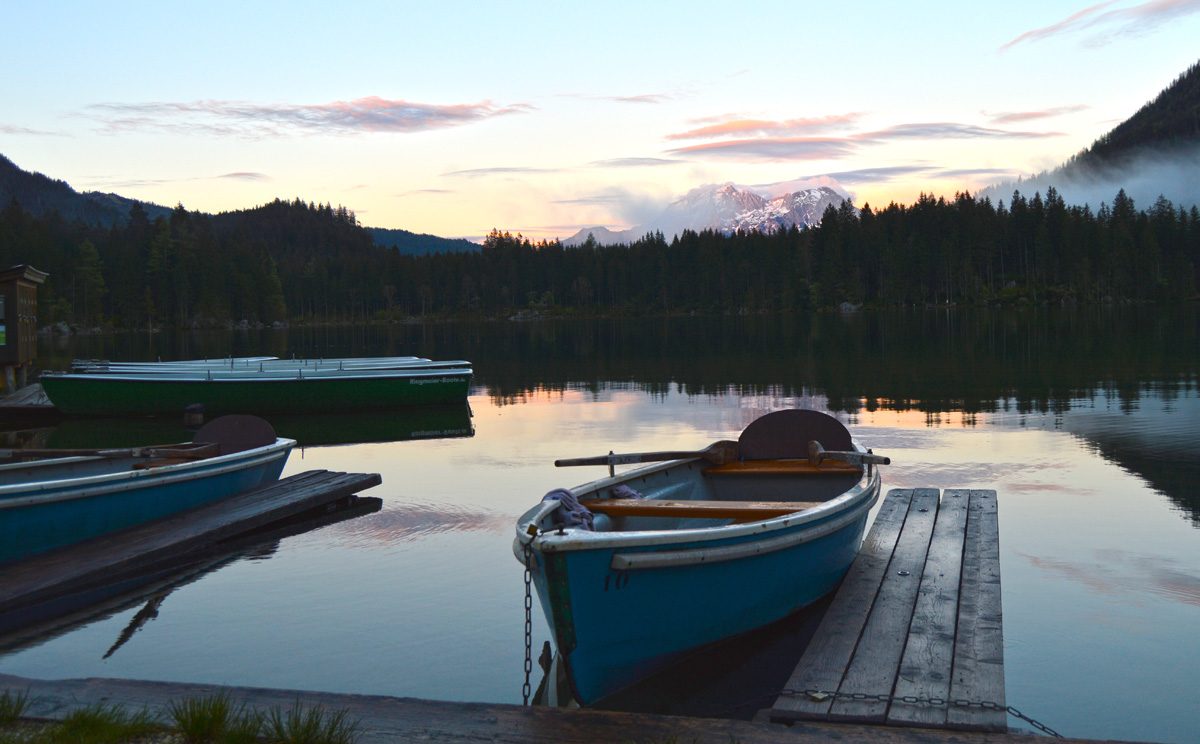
784,435
236,433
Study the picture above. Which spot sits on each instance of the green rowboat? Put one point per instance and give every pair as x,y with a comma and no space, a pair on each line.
273,391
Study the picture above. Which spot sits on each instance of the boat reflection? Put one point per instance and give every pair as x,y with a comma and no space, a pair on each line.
734,679
309,430
26,629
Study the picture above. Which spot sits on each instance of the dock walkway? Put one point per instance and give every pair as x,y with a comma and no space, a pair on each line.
918,617
42,585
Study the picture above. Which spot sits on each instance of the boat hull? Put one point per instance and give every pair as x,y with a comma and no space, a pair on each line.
622,612
87,394
50,513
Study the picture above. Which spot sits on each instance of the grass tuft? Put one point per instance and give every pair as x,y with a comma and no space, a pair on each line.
201,719
244,728
103,724
12,705
311,725
213,719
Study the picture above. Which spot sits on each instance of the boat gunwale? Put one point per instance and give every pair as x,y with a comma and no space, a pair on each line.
69,489
574,539
255,377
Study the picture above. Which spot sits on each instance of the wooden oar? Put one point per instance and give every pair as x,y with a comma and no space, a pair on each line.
717,452
817,453
186,451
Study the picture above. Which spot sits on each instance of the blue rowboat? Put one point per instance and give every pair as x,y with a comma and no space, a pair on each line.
724,541
56,501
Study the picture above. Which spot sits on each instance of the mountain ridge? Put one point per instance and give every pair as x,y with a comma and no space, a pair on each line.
726,208
38,194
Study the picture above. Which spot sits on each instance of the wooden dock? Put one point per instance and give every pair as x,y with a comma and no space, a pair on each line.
49,584
28,405
914,636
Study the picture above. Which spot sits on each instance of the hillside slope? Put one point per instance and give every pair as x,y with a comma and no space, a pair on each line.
1155,152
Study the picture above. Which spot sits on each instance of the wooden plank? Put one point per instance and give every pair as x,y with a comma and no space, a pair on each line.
391,720
30,395
740,510
876,660
829,652
107,558
926,667
979,650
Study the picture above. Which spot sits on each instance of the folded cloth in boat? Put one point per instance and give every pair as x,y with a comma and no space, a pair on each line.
625,492
571,513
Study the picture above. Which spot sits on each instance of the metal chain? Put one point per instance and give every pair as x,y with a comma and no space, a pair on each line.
528,628
819,695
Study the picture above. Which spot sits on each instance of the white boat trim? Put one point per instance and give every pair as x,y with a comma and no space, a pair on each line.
256,377
99,485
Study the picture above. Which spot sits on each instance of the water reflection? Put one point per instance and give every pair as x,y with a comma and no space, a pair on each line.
309,430
406,522
1117,573
970,360
35,625
735,678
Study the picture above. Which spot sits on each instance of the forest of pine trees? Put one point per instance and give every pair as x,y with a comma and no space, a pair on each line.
297,262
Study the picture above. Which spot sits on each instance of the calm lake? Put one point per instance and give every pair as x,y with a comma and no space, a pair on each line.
1086,421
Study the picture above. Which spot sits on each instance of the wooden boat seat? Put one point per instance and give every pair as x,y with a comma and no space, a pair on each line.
740,511
162,462
783,467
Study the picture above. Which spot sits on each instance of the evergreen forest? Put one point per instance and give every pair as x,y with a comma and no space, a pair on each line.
292,262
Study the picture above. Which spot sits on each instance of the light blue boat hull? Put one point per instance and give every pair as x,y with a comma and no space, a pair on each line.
660,616
614,627
50,513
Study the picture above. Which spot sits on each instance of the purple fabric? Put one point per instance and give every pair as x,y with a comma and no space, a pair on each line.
571,513
625,492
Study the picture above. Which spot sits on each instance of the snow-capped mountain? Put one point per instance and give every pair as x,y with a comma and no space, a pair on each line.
726,208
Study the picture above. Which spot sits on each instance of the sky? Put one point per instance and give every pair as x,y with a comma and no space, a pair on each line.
542,118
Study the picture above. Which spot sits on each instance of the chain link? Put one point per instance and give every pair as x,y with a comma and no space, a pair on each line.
528,627
819,695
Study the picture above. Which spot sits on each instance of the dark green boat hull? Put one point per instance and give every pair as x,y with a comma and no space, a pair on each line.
97,396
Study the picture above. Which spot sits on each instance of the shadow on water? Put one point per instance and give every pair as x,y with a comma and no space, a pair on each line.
735,678
151,586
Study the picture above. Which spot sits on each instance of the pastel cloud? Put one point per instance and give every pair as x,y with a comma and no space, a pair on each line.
767,128
946,130
887,174
9,129
1016,117
774,149
784,149
427,191
363,115
151,182
498,171
634,162
1132,21
645,98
